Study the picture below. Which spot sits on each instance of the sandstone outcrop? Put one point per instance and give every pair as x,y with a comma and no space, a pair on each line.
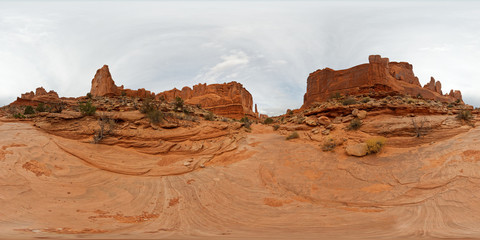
33,98
378,76
103,85
228,99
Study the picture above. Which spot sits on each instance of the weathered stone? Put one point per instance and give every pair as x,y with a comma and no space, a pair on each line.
311,121
362,114
358,150
323,120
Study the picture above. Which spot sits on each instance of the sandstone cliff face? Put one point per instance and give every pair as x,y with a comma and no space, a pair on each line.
229,99
379,75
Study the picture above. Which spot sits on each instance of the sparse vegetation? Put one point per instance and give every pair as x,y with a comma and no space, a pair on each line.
178,103
276,127
420,129
268,121
465,115
355,124
419,96
148,105
155,116
375,145
41,107
293,136
29,110
124,93
328,145
89,95
18,116
366,100
246,122
101,133
87,109
209,116
349,101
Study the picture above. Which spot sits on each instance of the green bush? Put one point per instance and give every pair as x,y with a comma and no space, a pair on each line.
147,106
246,122
349,101
178,103
29,110
87,109
276,127
18,115
374,145
41,107
268,121
155,116
293,136
465,115
355,124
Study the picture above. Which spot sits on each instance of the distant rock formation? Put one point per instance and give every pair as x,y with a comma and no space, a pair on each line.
379,75
33,98
228,99
103,85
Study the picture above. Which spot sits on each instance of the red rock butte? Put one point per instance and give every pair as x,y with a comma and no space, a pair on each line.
378,76
228,99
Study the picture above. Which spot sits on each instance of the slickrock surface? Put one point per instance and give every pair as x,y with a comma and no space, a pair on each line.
377,76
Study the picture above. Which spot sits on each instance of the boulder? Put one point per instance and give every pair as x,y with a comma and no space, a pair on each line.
311,121
358,150
323,120
362,114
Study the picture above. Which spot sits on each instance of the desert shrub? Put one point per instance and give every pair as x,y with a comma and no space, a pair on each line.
293,135
87,109
457,101
41,107
29,110
276,127
268,121
18,115
366,100
209,116
349,101
355,124
246,122
155,116
147,106
101,133
410,101
123,93
289,112
374,145
465,115
450,105
419,96
300,120
178,103
89,95
419,127
328,145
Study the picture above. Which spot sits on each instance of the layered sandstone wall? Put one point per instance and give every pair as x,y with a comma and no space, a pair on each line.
227,99
33,98
379,75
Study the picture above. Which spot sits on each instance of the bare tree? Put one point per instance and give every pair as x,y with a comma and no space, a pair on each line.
420,128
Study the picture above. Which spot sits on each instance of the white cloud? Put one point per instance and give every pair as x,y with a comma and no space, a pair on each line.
227,69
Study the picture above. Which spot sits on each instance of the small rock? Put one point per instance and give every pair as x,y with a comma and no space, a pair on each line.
310,121
330,127
326,132
202,166
347,118
355,112
362,114
358,150
323,120
337,120
186,164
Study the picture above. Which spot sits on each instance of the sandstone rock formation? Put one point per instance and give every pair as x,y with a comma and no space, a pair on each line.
228,99
103,85
379,75
33,98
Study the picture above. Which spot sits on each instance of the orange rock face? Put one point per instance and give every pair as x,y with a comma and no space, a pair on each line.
379,75
229,99
40,95
103,85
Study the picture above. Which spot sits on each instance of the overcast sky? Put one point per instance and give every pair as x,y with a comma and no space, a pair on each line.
268,46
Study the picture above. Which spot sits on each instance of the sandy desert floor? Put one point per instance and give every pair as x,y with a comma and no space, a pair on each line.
52,187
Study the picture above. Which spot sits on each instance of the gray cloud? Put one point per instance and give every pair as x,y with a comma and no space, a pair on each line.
270,46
